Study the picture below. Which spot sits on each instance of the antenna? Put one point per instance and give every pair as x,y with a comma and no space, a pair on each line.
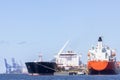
63,47
40,58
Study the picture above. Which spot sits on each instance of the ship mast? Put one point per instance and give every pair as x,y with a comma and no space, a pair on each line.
100,44
40,58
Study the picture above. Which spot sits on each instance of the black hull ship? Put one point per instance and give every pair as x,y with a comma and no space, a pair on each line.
41,68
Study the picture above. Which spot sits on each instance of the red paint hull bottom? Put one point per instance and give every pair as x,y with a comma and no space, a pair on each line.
102,67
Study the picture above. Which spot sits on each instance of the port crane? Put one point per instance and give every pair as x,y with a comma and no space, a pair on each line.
15,68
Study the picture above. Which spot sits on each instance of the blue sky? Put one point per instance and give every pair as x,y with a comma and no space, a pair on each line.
32,27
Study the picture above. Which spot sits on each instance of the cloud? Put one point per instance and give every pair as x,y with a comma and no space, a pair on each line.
4,42
22,42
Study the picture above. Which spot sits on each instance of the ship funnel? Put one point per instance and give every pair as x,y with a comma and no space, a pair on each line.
100,39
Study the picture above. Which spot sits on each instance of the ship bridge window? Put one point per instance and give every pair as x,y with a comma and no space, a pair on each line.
69,58
93,48
103,50
106,55
108,48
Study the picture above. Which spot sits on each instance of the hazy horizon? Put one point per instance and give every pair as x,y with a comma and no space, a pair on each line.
29,28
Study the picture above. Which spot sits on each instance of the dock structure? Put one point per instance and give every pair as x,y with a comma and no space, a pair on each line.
13,68
81,70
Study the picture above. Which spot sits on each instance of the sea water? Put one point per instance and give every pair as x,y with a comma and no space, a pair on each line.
71,77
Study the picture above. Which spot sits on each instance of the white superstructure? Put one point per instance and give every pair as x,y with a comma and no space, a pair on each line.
67,59
101,52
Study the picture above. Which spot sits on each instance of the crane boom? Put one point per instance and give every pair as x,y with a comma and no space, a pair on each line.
63,47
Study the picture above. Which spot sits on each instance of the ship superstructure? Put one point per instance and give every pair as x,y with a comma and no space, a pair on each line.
68,59
102,59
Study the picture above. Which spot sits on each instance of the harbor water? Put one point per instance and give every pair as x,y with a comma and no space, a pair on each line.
71,77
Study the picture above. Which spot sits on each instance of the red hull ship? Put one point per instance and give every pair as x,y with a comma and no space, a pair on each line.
102,60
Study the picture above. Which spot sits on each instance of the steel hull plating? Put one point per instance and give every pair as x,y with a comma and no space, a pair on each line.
102,67
41,68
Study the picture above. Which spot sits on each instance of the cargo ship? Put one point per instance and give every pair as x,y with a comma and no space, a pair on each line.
41,67
102,60
69,61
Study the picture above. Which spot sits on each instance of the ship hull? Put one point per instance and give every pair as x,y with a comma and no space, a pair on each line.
41,68
102,67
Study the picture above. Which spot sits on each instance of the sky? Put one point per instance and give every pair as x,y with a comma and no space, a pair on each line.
29,28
